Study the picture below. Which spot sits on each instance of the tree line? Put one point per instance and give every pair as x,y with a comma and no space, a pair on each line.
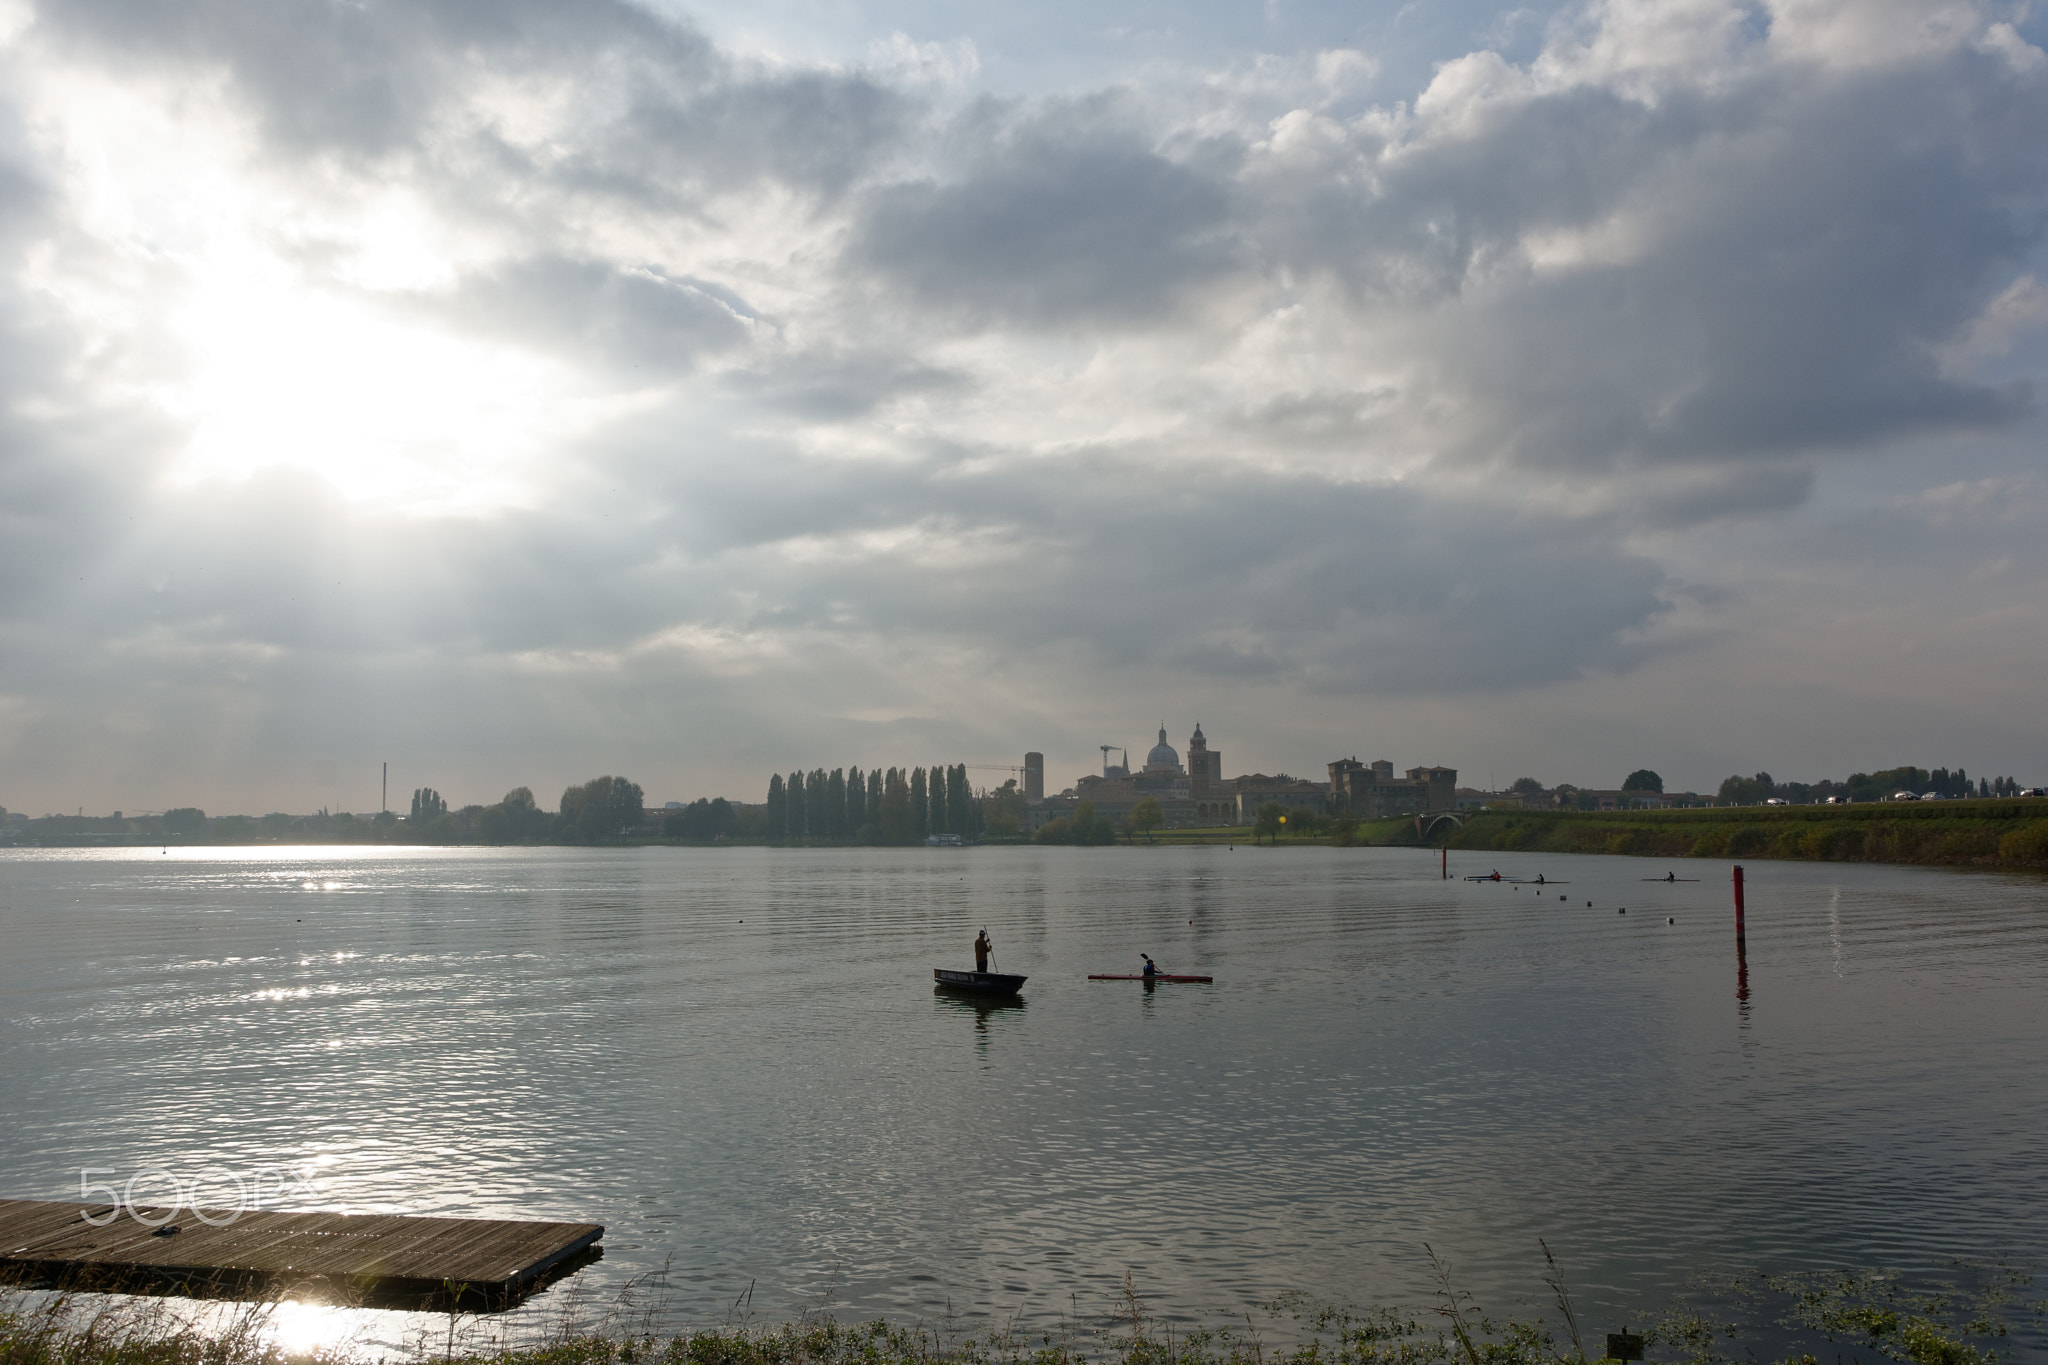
1954,785
892,806
600,810
1761,787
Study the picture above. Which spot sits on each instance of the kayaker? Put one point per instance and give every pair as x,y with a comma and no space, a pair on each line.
982,948
1151,967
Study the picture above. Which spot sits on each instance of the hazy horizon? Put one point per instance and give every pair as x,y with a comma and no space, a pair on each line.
525,392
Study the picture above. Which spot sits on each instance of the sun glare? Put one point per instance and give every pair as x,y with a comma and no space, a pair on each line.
304,1329
289,322
383,409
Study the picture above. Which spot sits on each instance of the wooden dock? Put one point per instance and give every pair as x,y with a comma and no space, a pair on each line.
372,1258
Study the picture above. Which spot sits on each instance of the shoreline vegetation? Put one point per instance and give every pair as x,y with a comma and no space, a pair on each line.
1994,833
900,807
1967,1314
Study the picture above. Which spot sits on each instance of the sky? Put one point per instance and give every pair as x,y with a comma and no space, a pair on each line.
516,391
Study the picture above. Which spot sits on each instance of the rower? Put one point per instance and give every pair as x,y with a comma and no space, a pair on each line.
1151,967
982,948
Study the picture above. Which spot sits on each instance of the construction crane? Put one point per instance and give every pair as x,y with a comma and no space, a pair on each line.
1015,771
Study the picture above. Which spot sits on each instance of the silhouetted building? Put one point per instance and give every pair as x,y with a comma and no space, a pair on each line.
1188,796
1371,791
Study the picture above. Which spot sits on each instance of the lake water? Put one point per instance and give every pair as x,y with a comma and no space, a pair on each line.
735,1060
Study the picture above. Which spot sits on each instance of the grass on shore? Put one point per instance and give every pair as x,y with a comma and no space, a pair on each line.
1993,833
1961,1320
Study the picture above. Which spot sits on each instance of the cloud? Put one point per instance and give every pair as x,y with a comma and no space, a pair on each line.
622,316
1059,218
775,392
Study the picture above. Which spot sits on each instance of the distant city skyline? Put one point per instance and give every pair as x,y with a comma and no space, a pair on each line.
519,394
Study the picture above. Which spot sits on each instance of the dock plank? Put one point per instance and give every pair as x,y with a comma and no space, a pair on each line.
396,1252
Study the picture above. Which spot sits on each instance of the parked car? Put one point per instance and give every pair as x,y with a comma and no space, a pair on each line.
1833,801
1905,796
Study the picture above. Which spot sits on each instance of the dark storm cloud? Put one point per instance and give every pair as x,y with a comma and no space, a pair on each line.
1061,217
1827,269
1795,249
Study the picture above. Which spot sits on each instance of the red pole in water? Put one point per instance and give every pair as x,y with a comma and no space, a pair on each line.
1738,902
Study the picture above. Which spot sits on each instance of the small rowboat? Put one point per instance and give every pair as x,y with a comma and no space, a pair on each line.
1156,976
981,983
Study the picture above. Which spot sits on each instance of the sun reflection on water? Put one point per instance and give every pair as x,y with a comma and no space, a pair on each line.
311,1329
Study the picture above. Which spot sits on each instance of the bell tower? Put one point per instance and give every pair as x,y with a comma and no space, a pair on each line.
1205,765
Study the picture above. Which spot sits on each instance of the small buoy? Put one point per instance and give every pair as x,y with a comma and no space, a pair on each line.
1622,911
1560,895
1669,920
1589,905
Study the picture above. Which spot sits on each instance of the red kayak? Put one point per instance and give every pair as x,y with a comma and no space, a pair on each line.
1156,976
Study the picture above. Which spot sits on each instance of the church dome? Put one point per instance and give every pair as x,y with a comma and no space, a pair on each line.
1163,755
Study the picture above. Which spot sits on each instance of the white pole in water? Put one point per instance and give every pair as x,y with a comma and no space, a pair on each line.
384,792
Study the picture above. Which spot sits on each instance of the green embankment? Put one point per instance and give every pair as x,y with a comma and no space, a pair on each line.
1994,833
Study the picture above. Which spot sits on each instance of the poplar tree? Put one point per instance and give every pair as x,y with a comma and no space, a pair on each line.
778,807
875,800
794,824
856,802
835,803
956,799
895,818
920,806
969,807
816,796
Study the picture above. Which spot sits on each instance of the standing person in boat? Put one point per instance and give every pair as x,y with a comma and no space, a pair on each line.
1151,967
982,948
